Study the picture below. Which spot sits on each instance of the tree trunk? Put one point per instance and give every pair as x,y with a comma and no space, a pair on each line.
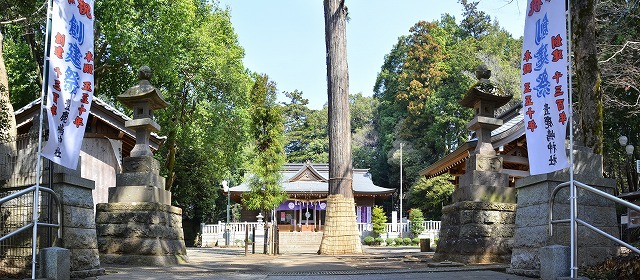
588,108
7,119
341,233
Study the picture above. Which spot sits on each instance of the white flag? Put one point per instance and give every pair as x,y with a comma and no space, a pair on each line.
69,64
544,85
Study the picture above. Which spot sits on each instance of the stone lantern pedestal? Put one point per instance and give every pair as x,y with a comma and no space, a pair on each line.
478,226
139,225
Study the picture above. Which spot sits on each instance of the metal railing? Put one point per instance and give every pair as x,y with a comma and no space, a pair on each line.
30,225
574,221
14,254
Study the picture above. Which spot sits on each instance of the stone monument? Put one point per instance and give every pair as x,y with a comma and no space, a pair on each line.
478,226
532,216
139,225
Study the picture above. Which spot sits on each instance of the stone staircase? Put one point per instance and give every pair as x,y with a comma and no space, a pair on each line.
307,242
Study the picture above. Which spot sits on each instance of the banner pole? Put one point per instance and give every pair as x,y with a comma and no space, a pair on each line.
572,189
36,192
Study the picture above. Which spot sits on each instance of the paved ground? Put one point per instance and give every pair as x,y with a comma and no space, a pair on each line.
376,263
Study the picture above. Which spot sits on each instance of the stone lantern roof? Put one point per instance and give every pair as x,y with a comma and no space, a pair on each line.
485,92
143,92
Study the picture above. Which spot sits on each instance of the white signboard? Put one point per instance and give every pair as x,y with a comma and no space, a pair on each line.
544,85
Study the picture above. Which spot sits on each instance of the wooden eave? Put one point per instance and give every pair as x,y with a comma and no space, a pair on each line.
444,164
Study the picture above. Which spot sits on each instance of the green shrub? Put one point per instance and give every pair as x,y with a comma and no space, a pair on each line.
397,241
378,218
416,218
389,241
378,240
415,241
369,240
406,241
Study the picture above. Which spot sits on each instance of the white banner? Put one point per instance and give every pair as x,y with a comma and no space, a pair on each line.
544,85
69,64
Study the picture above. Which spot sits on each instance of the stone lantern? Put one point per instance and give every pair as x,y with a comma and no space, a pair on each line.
478,226
484,98
143,98
139,225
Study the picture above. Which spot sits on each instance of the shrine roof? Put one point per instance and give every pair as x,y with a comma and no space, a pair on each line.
313,178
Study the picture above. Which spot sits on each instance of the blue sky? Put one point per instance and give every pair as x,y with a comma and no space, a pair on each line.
285,38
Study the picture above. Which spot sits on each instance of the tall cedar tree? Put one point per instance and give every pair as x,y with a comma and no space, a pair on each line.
341,233
267,130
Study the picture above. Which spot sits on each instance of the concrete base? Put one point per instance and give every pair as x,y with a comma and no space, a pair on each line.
476,232
55,263
140,233
555,261
532,217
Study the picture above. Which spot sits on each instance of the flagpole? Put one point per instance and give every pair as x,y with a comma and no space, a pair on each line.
572,188
36,192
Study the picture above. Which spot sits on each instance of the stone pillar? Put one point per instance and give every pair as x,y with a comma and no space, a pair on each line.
78,221
139,225
532,216
478,226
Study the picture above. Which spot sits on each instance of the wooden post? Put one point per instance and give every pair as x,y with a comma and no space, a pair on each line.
246,240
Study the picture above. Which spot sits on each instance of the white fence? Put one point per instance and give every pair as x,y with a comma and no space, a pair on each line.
393,230
213,234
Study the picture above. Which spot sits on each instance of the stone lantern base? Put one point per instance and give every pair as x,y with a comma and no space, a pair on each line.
140,234
476,232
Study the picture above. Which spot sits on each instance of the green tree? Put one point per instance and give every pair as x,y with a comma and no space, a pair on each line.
421,82
430,195
416,218
364,137
267,131
18,23
305,131
378,219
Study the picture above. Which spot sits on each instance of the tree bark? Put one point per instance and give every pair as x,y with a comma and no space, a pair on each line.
340,235
340,170
588,108
7,119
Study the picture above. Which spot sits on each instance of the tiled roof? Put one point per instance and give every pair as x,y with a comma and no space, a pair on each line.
362,183
96,102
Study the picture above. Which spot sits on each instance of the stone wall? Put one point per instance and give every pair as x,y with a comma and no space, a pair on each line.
300,242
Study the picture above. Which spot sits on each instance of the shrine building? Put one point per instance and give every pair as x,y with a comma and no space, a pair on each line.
307,187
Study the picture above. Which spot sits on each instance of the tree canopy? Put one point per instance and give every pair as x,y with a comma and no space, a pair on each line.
421,81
